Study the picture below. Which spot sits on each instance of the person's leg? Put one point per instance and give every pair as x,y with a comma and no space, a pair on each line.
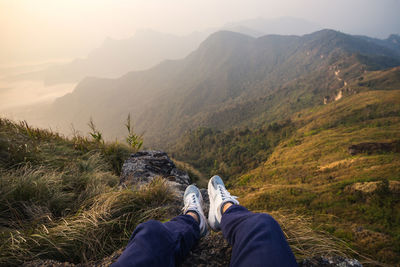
160,244
166,244
256,239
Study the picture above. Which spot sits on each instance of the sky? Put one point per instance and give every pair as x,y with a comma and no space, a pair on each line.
43,30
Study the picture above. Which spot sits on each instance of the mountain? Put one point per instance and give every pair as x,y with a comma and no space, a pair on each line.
116,57
337,163
305,128
283,26
340,165
148,47
239,149
230,80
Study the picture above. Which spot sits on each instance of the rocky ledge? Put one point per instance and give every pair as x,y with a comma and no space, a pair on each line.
142,167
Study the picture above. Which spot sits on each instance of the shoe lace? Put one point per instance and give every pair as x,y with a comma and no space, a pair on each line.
191,204
225,193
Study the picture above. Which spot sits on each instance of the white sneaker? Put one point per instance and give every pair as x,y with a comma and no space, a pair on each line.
193,201
218,197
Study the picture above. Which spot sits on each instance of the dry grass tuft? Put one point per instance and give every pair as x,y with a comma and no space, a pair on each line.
307,242
102,225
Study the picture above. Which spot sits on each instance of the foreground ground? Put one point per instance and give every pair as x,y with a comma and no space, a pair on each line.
60,202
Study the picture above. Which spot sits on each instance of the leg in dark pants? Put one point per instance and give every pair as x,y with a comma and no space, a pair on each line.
256,239
160,244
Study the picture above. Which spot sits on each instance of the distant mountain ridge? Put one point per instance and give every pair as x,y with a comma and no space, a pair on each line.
282,26
147,48
116,57
232,79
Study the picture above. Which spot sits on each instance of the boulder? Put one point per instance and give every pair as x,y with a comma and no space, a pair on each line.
142,167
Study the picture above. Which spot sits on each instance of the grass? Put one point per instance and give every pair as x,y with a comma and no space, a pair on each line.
195,176
60,199
312,171
233,152
308,241
102,225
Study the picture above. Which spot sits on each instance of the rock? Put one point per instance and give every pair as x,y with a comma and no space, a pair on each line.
374,147
330,261
47,263
212,250
107,261
142,167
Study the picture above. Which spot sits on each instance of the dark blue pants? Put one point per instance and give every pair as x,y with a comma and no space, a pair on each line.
256,240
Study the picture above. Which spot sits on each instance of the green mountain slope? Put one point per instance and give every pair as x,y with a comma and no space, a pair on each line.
338,163
208,148
231,80
314,172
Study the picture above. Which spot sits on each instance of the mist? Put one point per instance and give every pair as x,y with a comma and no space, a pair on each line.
41,30
14,95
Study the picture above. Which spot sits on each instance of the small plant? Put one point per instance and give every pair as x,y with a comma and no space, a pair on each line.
96,134
134,140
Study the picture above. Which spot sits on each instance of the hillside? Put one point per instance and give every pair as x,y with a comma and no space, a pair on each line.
61,204
338,163
60,200
351,194
240,149
231,80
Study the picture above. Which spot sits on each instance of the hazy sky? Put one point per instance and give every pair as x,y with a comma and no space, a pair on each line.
38,30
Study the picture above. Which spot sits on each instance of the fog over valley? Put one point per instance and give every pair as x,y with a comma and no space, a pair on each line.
24,93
